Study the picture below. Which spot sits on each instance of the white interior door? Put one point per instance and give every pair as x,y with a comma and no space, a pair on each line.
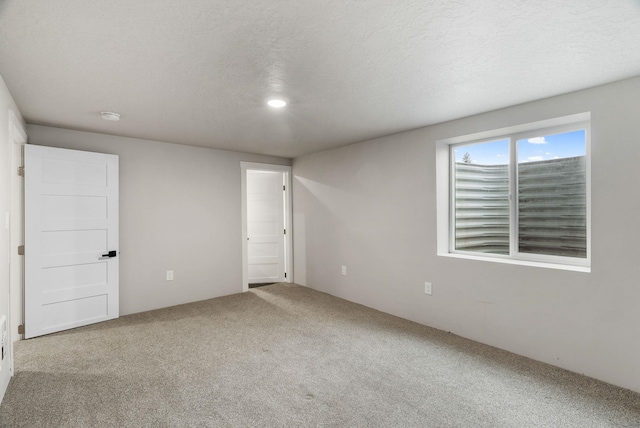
71,239
265,226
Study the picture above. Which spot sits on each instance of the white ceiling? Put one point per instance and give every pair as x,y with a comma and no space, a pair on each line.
198,72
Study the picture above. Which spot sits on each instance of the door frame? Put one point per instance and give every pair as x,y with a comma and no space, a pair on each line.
17,140
288,213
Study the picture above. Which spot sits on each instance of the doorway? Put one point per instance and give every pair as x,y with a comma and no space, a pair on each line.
266,224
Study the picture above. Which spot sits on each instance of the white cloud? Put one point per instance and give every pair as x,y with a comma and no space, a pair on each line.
535,158
537,140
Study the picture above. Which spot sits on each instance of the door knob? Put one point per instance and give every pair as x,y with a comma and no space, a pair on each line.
109,255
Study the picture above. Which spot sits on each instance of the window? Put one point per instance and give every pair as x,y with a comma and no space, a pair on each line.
520,194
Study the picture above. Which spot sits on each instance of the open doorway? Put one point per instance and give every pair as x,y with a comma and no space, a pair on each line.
266,224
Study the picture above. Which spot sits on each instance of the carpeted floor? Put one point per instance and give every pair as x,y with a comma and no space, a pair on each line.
288,356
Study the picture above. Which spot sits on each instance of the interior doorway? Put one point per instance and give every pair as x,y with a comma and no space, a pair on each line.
266,224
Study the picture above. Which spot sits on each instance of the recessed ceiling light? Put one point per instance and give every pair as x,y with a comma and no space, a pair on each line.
109,115
277,103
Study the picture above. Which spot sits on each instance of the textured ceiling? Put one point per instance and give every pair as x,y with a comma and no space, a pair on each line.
197,72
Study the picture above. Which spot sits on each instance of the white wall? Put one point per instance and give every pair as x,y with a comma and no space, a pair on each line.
179,210
372,207
6,104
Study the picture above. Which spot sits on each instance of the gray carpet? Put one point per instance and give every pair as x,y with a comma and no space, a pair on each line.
288,356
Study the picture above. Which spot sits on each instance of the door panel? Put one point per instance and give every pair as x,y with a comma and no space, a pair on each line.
265,226
71,222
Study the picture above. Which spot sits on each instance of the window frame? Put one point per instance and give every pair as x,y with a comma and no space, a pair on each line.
445,164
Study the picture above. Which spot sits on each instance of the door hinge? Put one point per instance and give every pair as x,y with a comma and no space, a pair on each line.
285,274
284,187
21,171
21,329
285,231
21,250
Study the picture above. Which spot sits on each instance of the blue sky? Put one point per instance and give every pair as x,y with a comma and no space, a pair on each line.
546,147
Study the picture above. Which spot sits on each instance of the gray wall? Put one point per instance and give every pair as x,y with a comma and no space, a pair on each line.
372,207
180,210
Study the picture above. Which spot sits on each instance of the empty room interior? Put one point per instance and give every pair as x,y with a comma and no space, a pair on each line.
320,213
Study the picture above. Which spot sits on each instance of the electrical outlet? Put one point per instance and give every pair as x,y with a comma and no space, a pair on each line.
169,275
427,288
3,340
344,271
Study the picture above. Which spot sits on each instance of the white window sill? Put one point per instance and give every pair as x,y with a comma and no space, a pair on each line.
530,263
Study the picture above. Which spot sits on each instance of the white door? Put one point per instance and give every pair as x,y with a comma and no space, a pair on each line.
265,226
71,239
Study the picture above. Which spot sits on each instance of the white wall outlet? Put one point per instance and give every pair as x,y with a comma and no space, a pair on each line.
344,271
169,275
4,343
427,288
